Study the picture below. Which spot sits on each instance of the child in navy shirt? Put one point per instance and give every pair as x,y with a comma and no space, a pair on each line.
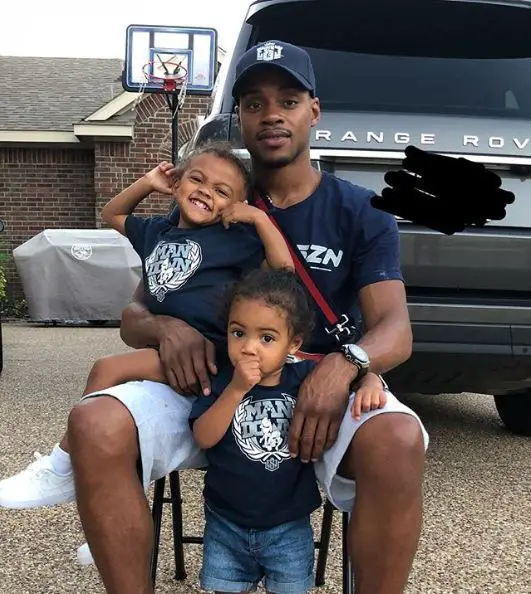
187,265
258,499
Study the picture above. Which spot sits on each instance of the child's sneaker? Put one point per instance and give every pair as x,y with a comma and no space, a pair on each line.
36,486
84,556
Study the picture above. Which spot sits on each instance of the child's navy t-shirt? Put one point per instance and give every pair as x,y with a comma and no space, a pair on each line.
251,478
347,244
187,271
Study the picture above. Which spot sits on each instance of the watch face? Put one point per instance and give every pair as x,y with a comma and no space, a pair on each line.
357,353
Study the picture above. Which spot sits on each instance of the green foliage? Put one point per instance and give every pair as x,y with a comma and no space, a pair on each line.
14,308
9,307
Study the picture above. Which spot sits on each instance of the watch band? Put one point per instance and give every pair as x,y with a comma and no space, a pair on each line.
362,372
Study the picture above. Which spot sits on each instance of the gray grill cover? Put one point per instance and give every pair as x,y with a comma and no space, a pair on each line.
77,274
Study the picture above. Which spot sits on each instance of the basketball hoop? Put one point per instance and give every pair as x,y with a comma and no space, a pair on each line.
173,61
170,77
174,74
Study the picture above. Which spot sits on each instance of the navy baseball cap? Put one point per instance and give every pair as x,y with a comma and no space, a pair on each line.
278,54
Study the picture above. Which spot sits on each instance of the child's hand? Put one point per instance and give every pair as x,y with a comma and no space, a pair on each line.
240,212
370,395
246,374
162,178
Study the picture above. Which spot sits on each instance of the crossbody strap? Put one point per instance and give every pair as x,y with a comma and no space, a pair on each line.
339,324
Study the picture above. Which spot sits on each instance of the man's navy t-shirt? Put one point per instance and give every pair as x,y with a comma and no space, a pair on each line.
186,271
347,244
251,478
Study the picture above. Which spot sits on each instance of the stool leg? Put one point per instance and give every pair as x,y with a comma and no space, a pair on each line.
348,578
177,521
156,514
324,543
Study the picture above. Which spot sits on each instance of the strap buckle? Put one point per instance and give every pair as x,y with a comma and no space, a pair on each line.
342,330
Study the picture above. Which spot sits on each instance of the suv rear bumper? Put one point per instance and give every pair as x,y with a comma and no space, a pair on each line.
459,357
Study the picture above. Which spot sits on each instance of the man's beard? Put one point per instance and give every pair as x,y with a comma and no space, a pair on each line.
275,163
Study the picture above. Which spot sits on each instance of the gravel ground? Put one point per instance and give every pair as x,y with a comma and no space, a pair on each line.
477,526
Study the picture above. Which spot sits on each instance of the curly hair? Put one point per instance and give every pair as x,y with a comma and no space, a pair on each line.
222,150
279,288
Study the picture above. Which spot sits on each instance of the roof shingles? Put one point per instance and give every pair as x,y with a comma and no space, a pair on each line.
53,94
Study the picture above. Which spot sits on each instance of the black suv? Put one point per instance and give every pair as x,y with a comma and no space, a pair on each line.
452,76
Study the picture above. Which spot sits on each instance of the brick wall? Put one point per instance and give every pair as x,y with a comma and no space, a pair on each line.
42,189
47,188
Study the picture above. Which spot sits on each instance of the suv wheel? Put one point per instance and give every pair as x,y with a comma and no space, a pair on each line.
515,412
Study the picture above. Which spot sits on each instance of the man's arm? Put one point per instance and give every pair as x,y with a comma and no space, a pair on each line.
139,328
377,280
388,339
324,395
186,355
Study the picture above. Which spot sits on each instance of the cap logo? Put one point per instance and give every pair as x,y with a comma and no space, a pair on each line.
269,51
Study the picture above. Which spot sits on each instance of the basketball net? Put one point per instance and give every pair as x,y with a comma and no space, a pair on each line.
175,77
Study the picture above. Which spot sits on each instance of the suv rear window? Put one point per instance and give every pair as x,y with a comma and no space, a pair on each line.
497,88
440,56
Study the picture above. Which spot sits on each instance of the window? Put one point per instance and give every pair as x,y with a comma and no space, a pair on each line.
429,56
364,82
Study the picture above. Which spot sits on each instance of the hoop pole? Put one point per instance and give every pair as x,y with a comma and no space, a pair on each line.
175,128
172,100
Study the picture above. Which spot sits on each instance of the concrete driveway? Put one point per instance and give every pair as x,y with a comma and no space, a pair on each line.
477,529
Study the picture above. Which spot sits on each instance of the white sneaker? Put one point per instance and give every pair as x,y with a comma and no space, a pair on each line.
84,556
36,486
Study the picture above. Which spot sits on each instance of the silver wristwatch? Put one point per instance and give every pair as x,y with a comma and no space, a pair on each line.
357,356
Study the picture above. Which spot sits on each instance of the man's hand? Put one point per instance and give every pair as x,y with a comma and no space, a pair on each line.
321,404
186,356
246,374
162,177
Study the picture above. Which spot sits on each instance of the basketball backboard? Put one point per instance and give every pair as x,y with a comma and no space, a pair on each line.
153,52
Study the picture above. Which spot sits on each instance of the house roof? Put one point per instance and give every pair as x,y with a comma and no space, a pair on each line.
64,100
54,93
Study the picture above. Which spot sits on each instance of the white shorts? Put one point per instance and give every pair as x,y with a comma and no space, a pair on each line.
166,441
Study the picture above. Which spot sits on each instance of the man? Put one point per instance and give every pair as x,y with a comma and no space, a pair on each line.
383,452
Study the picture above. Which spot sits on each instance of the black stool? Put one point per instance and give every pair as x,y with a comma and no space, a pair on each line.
179,539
